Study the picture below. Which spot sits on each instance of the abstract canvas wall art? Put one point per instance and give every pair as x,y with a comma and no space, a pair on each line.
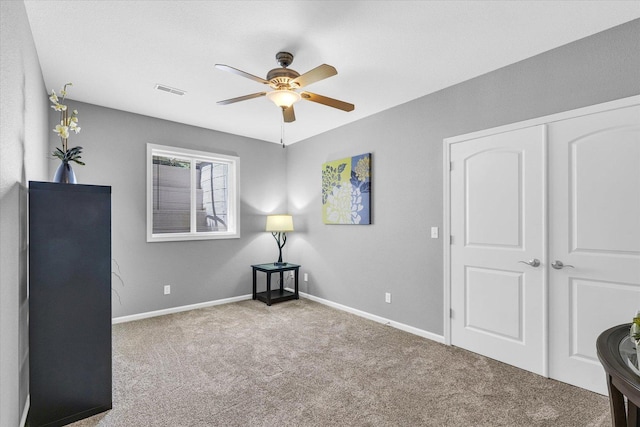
346,190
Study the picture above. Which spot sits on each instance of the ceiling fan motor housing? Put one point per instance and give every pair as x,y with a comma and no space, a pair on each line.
281,77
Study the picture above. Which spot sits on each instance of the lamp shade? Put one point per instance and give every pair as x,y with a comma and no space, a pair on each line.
284,98
279,223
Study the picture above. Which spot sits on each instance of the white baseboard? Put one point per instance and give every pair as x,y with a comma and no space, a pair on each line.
375,318
25,411
172,310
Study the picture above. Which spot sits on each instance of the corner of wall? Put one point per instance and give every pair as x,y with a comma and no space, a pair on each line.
23,155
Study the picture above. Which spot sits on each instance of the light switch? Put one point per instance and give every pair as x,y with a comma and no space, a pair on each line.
434,232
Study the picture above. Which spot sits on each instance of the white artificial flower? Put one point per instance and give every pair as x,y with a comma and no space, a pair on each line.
59,107
73,125
62,131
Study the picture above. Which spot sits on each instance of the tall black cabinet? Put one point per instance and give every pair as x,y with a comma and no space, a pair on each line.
69,302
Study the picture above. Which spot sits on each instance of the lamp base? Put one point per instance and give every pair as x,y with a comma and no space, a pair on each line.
279,264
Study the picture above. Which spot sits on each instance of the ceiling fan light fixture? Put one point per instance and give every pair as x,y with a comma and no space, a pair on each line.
283,98
284,82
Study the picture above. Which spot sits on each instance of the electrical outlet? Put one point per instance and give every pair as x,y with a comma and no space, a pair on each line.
167,289
291,274
434,232
387,297
306,277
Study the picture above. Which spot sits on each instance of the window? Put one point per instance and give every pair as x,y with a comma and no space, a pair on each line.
191,195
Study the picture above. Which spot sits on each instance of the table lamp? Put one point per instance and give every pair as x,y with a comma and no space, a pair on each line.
278,225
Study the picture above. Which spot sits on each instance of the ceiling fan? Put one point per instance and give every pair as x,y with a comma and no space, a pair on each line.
285,82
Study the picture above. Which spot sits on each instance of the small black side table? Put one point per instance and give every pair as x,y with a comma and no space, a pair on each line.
277,295
621,380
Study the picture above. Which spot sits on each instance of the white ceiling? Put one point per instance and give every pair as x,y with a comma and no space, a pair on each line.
386,52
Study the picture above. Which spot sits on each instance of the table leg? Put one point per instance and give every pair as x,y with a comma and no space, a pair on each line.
632,416
268,288
296,284
254,284
281,282
616,402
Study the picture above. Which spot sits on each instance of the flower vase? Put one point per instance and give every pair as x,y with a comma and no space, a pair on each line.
64,174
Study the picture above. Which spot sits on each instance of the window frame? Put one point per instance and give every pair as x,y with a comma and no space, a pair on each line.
233,193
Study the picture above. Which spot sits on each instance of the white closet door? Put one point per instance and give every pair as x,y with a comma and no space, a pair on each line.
594,226
497,221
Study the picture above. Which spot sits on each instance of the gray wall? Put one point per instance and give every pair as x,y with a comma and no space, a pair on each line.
114,145
356,265
23,137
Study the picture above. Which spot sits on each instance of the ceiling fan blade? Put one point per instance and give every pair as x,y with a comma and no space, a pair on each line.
319,73
288,114
241,73
340,105
241,98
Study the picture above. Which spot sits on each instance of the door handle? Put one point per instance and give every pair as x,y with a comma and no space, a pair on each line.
558,265
535,262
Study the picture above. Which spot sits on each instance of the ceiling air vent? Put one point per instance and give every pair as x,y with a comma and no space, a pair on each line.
172,90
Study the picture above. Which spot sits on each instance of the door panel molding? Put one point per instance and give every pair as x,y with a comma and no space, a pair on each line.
510,288
613,157
587,296
504,230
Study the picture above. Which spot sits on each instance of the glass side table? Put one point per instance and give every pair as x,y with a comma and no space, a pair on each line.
272,296
618,356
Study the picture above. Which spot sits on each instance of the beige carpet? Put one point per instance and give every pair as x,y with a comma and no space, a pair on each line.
300,363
